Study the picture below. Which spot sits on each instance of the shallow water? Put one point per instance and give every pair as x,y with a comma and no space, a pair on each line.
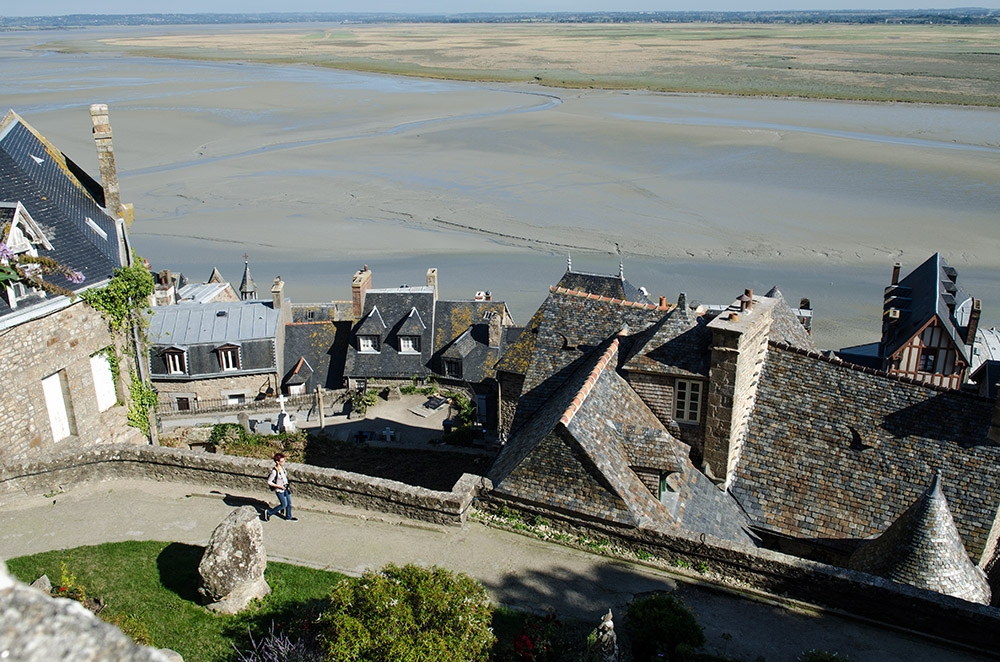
315,172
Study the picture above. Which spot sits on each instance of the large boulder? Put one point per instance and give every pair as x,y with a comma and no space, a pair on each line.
35,627
232,568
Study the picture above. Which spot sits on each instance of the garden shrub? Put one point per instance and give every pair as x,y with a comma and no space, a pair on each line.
662,625
408,613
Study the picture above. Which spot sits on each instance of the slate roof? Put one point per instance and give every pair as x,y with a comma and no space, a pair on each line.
833,451
923,548
613,287
577,453
564,329
323,345
929,290
678,344
454,318
212,323
61,198
390,313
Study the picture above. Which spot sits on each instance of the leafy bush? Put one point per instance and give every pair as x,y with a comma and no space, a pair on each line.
662,625
408,613
362,400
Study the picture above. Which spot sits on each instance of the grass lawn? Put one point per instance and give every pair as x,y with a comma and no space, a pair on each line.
151,587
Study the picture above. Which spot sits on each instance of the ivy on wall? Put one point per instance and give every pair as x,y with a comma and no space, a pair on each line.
123,303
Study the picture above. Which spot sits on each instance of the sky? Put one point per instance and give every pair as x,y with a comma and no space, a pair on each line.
62,7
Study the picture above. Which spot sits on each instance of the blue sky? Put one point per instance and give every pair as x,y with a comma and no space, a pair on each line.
59,7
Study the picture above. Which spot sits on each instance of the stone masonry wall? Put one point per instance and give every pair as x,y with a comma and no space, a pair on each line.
778,576
657,391
218,471
213,389
62,341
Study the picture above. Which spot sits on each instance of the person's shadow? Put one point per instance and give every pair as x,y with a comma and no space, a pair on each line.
236,501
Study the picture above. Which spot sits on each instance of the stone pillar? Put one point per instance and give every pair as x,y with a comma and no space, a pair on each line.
432,281
319,406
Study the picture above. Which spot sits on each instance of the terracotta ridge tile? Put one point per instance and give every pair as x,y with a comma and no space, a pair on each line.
588,385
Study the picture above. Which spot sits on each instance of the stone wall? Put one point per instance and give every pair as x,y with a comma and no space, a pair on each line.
216,388
657,391
247,475
787,578
60,342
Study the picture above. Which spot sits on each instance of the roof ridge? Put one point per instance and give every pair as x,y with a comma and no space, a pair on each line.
589,383
834,360
597,297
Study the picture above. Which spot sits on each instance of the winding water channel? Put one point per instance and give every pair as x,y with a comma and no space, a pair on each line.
314,172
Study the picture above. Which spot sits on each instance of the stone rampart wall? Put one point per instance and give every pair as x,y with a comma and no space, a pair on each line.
752,569
247,475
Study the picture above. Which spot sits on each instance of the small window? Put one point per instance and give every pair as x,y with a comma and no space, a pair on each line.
927,360
453,368
687,401
175,362
229,358
368,344
409,344
183,404
236,399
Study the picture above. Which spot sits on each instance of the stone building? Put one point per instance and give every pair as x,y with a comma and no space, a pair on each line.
218,353
819,454
60,390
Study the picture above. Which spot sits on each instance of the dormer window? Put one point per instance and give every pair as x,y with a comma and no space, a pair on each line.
368,344
229,357
409,344
175,360
453,368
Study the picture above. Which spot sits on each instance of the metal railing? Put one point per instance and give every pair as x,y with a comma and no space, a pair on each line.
216,405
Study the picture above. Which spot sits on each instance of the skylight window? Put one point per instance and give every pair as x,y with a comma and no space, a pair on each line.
96,228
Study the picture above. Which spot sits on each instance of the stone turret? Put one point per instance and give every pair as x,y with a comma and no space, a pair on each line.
923,548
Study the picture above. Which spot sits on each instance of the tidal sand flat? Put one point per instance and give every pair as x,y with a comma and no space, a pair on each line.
314,172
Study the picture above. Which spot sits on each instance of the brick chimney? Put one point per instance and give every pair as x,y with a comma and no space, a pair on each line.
895,274
360,284
106,163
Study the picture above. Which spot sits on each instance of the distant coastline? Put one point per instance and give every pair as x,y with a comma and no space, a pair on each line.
860,56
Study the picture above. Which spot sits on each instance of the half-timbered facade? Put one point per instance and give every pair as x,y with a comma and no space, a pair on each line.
928,325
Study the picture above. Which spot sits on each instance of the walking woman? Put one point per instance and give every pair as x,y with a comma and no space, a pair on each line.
278,481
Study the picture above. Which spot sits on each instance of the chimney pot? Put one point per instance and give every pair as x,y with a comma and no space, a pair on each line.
663,302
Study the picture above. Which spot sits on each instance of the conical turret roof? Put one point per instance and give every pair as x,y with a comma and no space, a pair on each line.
248,289
924,549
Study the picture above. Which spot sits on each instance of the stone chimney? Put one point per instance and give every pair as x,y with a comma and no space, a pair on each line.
277,293
739,346
973,326
495,330
360,284
895,274
106,163
432,281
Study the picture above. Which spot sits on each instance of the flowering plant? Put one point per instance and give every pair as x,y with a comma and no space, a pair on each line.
31,271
